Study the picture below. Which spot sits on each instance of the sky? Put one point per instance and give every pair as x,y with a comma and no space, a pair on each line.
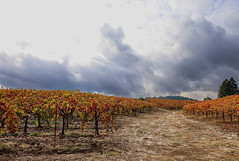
130,48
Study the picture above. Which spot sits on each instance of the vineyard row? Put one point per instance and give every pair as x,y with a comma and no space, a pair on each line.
221,107
17,106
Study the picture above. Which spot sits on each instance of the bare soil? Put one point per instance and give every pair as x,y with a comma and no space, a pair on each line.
157,135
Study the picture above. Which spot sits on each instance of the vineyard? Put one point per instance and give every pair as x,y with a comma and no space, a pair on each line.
170,104
19,106
226,107
75,125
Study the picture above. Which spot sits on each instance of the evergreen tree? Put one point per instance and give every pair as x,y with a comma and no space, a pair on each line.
228,88
222,92
233,87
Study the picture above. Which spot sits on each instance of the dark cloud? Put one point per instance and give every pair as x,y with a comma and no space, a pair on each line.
121,72
206,55
26,71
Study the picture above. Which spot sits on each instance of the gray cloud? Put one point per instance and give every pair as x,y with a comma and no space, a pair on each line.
26,71
208,56
205,56
121,72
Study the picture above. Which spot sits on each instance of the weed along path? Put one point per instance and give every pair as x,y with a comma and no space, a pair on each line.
155,135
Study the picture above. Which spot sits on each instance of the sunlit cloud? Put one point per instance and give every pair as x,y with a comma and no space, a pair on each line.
127,48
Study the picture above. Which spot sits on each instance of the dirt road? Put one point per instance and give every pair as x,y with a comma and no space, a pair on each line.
169,135
158,135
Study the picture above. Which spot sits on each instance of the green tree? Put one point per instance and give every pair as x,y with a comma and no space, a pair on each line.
228,87
232,87
222,92
207,98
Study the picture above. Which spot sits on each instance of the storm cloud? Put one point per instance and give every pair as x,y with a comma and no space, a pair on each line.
120,71
183,49
26,71
207,54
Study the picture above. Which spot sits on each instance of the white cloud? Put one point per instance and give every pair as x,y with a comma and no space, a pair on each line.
167,33
226,16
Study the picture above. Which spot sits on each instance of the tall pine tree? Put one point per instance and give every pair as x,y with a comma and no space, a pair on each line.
228,88
233,87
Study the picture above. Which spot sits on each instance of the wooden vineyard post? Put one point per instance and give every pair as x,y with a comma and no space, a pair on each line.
238,125
223,116
55,128
238,121
63,125
96,123
217,114
25,127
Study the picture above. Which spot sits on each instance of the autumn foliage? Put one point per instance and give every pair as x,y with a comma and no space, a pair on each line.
221,107
170,104
17,106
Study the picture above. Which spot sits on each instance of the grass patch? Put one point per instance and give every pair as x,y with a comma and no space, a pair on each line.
73,148
4,148
112,154
70,149
81,144
34,134
17,134
87,134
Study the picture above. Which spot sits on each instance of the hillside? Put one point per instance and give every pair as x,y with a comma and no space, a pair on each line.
174,97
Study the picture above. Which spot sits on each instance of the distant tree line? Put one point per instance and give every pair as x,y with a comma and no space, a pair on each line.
207,98
169,97
175,98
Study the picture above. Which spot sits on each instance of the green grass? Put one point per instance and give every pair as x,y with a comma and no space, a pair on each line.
17,134
112,154
4,148
72,134
70,149
73,148
34,134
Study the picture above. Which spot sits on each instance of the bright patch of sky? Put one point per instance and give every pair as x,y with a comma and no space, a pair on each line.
165,38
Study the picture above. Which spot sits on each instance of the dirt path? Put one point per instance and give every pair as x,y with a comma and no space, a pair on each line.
159,135
169,135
